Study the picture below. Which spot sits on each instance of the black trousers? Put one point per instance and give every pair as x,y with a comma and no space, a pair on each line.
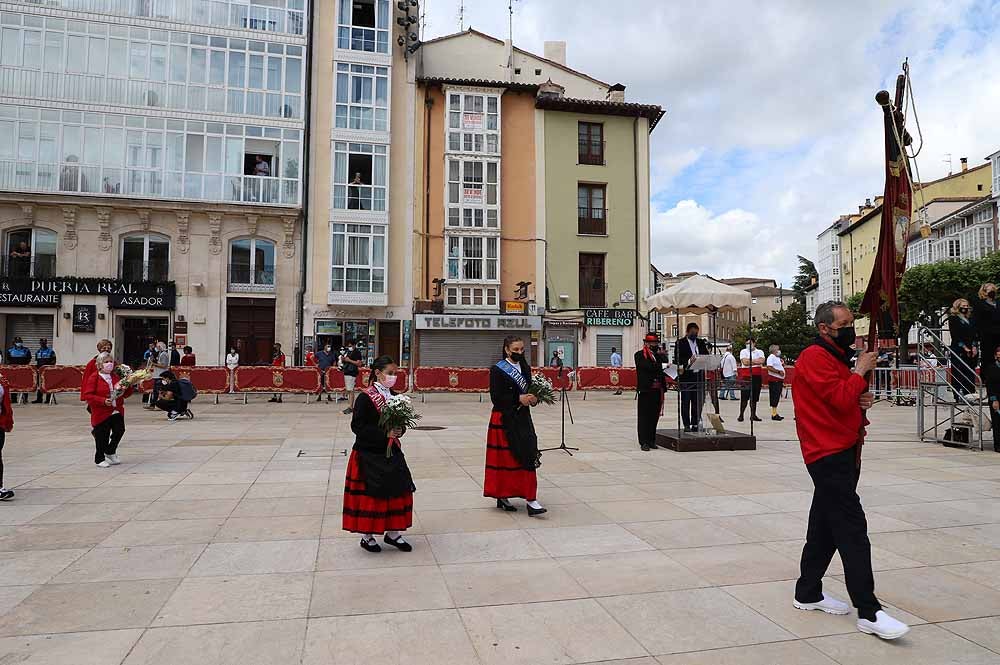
751,390
774,390
995,416
837,524
40,394
692,398
107,434
3,437
649,415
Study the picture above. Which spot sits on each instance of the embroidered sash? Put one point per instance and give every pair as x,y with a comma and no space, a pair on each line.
515,375
376,397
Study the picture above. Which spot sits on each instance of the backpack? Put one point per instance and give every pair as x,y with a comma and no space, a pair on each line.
188,391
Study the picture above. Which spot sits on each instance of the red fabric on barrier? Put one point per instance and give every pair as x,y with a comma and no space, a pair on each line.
605,378
335,380
21,378
276,379
552,374
208,380
452,379
60,378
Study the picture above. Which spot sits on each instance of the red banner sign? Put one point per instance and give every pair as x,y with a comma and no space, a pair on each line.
605,378
277,379
21,378
552,374
452,379
208,380
60,378
335,380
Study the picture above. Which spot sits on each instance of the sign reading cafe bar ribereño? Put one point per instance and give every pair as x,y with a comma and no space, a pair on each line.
26,292
608,317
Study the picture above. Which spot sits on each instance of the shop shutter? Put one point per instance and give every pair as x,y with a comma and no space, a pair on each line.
30,328
604,345
439,348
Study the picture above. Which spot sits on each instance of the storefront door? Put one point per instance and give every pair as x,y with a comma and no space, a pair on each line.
250,330
388,339
136,335
568,348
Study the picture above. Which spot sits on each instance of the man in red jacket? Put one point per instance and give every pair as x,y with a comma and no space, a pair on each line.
830,399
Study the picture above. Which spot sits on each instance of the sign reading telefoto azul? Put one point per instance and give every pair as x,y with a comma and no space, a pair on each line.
25,292
474,322
608,317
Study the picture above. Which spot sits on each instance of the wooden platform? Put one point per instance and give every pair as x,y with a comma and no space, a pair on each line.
684,442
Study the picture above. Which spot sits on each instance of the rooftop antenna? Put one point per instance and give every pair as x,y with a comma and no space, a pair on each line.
461,15
947,160
423,19
510,37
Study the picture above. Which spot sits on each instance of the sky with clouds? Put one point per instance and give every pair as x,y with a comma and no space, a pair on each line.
771,130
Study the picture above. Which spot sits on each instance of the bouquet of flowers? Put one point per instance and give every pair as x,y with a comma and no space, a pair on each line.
542,389
397,413
128,377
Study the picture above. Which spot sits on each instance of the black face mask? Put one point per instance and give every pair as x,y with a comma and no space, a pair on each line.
517,357
991,294
845,337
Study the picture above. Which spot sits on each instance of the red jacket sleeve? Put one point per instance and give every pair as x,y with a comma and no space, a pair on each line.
89,391
821,374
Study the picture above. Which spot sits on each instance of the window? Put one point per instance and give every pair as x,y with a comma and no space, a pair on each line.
358,258
251,265
591,143
30,253
592,286
983,215
474,297
473,258
362,97
473,123
473,193
591,213
145,258
363,25
359,176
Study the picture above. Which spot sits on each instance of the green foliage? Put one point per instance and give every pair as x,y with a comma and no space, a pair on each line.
854,303
929,289
806,275
787,328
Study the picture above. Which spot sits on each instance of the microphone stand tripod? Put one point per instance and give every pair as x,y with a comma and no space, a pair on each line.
564,406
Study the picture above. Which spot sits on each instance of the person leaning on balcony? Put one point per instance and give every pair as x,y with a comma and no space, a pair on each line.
261,167
986,316
963,349
20,260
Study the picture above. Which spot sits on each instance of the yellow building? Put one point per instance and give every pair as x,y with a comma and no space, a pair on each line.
859,238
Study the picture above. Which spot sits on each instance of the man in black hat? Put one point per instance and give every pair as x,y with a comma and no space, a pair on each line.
650,383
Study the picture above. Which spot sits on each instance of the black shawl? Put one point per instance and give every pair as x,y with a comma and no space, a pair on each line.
517,424
385,477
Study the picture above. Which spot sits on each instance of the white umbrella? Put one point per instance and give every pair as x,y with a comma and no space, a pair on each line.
697,295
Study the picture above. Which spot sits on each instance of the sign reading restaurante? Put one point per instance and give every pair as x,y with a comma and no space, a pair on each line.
26,292
609,317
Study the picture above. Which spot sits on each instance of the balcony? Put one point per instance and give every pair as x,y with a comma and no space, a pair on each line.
592,221
134,270
246,279
591,152
261,189
33,266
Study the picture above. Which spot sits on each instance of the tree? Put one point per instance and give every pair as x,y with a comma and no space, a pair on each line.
854,303
788,328
807,275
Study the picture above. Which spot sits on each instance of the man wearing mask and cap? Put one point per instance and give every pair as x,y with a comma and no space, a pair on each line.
650,382
830,402
19,354
44,356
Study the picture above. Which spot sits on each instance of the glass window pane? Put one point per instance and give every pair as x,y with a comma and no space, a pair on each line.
237,69
10,47
338,249
213,154
114,146
234,156
97,55
158,62
92,142
71,144
199,69
273,73
76,54
293,75
137,59
54,51
256,69
118,63
217,68
33,49
178,64
175,152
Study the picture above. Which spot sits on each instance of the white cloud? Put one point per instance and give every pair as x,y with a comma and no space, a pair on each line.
771,122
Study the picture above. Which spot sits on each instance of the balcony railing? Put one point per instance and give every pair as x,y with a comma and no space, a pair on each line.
246,279
134,270
592,221
29,266
591,152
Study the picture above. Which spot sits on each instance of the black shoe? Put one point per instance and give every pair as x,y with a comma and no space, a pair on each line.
329,399
777,418
370,545
504,504
756,419
280,401
740,419
348,410
654,446
644,447
273,399
6,495
399,544
36,401
687,429
532,512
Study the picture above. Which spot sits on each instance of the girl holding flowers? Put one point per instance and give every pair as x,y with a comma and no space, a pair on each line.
378,490
511,444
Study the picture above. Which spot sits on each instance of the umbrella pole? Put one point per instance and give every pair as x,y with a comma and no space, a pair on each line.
677,314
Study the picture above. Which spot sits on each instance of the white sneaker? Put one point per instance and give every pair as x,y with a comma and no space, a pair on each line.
829,604
113,459
884,626
105,464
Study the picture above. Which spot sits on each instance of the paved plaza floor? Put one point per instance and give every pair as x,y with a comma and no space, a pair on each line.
218,542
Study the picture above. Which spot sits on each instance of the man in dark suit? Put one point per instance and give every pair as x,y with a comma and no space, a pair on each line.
650,383
690,383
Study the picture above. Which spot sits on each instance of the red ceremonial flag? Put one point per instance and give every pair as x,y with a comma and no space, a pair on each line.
880,302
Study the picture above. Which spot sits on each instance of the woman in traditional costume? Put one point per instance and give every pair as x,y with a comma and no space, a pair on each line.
378,490
511,444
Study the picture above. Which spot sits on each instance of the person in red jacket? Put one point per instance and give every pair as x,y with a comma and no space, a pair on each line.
6,425
830,400
189,359
277,360
107,416
104,346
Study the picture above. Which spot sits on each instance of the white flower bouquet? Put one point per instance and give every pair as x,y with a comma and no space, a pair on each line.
542,389
398,413
127,377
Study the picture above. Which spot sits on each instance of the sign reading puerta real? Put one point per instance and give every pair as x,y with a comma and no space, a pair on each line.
26,292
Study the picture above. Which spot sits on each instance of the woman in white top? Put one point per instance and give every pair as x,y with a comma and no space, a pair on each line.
232,362
775,378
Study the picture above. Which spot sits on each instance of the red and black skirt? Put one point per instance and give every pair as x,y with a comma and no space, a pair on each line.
369,514
505,477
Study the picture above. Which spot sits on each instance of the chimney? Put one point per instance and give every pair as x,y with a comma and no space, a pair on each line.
556,52
965,164
616,93
861,209
550,90
868,203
